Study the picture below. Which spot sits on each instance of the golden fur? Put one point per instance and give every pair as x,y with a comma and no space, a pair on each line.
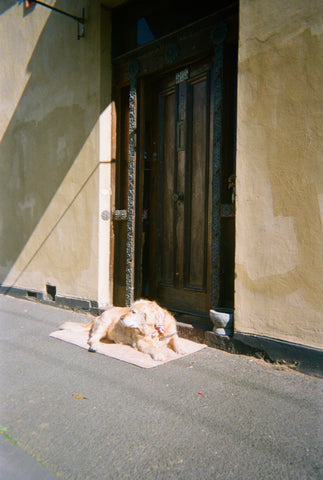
145,326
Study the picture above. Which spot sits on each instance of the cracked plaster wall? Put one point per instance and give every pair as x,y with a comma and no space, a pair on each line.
279,242
55,150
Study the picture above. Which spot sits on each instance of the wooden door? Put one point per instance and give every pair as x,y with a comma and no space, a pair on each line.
180,211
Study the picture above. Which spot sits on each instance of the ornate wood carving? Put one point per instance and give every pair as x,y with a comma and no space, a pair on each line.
217,35
177,50
131,214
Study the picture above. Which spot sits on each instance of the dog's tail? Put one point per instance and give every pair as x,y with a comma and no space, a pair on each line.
76,327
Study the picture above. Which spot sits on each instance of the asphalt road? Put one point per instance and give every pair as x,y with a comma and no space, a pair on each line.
211,415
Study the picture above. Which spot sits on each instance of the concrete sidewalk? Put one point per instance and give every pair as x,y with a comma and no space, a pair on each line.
206,416
15,464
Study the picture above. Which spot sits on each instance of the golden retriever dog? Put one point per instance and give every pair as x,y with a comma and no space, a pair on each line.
145,326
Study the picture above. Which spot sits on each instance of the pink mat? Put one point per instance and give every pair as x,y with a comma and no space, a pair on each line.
126,353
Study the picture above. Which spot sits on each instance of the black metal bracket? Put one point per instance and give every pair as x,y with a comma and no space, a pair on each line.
80,20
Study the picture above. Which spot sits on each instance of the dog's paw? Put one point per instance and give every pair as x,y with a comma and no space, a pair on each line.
176,345
157,356
92,348
180,350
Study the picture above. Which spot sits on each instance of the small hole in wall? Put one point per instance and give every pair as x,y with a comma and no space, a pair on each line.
32,294
51,292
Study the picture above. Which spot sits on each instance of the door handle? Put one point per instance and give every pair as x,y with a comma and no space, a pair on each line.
178,197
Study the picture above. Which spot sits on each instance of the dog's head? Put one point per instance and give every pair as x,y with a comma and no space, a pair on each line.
145,316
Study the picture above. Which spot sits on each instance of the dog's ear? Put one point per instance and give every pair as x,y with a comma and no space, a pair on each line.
160,318
143,318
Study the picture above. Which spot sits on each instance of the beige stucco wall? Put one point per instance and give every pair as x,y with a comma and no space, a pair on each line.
55,150
279,240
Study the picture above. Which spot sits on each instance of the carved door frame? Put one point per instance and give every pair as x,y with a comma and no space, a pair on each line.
130,71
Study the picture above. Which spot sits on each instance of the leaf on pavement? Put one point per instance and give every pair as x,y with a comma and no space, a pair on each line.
78,396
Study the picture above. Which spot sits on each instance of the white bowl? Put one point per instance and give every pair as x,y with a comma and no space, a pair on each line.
222,319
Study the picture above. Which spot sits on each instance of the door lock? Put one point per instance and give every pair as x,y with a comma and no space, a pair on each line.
178,197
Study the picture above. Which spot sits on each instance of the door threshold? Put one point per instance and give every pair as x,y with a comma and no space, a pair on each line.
200,322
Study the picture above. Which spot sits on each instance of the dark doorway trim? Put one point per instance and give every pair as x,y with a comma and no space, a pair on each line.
218,36
131,207
162,56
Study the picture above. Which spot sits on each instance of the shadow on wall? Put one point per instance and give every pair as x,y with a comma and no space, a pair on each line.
6,4
53,119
